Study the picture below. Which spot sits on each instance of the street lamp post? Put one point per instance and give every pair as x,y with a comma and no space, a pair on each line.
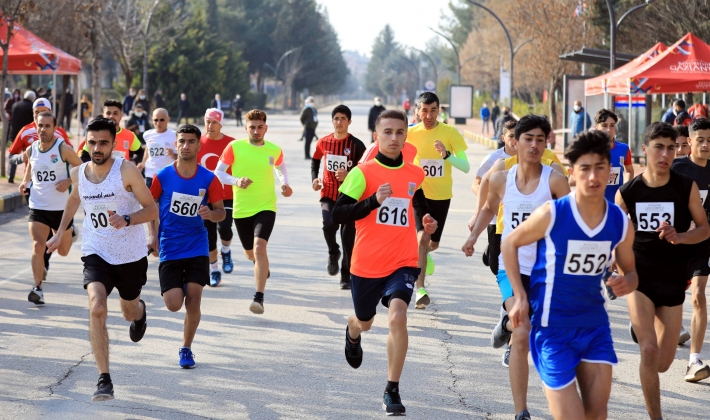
276,70
456,51
433,66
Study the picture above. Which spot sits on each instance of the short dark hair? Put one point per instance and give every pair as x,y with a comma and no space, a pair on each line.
680,103
113,102
189,129
604,114
392,114
342,109
592,142
510,125
427,98
102,124
48,114
659,129
255,115
683,130
531,122
697,124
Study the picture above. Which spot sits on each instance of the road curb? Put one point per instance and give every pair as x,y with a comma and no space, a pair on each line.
477,138
11,202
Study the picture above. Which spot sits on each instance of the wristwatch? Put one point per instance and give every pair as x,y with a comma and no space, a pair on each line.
127,219
448,154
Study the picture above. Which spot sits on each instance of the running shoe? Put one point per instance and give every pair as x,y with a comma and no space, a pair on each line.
257,306
697,371
187,359
333,267
523,415
430,266
422,299
227,263
684,336
500,335
137,328
506,356
633,334
392,404
345,284
215,278
104,391
36,296
353,351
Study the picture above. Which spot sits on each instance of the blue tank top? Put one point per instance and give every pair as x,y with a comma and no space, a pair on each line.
182,233
565,284
616,177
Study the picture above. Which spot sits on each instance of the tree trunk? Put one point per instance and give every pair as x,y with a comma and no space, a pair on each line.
95,39
3,82
145,45
128,75
552,102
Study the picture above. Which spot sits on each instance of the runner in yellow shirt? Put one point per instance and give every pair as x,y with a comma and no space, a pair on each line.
439,148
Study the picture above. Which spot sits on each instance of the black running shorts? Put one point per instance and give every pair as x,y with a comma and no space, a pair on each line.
51,218
439,210
174,273
128,278
259,225
661,280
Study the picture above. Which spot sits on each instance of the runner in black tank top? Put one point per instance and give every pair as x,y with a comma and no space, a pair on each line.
661,203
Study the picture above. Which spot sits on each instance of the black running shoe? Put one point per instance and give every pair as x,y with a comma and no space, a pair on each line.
353,352
523,415
137,328
345,284
333,267
392,404
104,391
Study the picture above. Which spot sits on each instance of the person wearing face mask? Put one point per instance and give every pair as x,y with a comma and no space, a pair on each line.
375,112
309,120
142,100
579,120
128,101
139,122
11,101
500,125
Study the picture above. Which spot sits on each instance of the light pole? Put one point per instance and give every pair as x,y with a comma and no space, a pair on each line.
276,70
456,51
433,66
614,26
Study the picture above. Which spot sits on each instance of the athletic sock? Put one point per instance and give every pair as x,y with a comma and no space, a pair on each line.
694,357
184,347
214,266
105,377
392,387
353,340
225,249
259,296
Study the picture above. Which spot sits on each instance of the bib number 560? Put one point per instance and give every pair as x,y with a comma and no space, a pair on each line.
184,208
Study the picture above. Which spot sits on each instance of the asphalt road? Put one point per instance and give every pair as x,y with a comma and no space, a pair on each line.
287,363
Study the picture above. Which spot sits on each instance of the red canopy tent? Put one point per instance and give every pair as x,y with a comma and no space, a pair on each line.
614,81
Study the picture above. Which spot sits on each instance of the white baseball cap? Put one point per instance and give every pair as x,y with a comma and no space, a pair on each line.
42,102
214,114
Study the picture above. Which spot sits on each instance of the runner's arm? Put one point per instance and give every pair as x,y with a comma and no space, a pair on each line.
702,230
619,201
476,186
420,204
69,156
460,161
221,173
348,209
487,212
70,209
482,195
628,166
559,186
282,173
626,264
315,168
133,179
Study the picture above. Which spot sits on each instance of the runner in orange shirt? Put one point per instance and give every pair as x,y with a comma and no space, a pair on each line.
126,142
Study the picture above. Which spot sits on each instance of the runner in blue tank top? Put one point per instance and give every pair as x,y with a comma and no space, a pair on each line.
183,191
570,339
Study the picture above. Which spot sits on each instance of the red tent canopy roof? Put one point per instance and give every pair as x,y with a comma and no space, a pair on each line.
615,80
30,54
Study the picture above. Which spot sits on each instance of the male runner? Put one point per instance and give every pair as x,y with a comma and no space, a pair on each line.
682,145
380,197
253,161
182,191
521,189
115,201
160,142
126,141
570,340
696,167
48,170
662,204
214,143
409,152
439,147
621,163
342,152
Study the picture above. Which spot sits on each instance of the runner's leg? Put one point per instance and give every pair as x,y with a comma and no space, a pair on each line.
347,238
397,339
699,321
261,268
565,403
192,312
595,386
667,325
518,369
424,240
38,233
98,334
643,313
132,310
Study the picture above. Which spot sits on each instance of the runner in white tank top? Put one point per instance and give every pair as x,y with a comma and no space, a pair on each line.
115,200
48,172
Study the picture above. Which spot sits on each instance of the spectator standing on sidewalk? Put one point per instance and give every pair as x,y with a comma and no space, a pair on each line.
183,108
238,105
309,120
406,105
500,122
128,101
375,112
67,109
143,101
485,114
579,121
495,113
16,97
86,109
21,116
159,101
216,102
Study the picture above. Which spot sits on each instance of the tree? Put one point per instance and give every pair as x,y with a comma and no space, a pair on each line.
384,47
461,23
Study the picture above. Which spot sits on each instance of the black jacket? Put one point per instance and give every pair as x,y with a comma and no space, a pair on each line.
159,101
309,118
184,106
21,116
375,112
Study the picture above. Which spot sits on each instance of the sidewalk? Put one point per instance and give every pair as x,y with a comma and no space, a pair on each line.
10,198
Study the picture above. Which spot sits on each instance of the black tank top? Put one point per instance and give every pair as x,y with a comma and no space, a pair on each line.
649,207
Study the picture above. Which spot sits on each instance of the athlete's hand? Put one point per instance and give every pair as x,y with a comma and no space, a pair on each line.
341,174
468,246
154,244
204,212
439,146
116,221
25,159
668,233
63,185
141,166
317,184
23,188
519,311
430,224
244,182
54,243
619,284
171,153
384,192
286,190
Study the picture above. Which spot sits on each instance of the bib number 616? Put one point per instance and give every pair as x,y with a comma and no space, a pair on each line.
394,212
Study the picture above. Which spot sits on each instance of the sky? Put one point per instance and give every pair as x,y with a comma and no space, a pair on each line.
358,22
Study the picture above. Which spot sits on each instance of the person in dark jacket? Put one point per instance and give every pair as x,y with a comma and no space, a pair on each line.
159,101
238,106
128,101
67,109
183,108
681,115
375,112
309,120
500,123
495,113
15,97
21,116
143,100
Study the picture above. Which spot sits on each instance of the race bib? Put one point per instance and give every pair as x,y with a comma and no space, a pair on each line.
433,168
184,204
517,212
44,174
394,212
157,151
98,213
703,196
650,216
335,162
585,258
118,154
614,176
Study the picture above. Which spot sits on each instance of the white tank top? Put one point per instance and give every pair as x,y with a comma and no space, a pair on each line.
115,246
517,207
48,168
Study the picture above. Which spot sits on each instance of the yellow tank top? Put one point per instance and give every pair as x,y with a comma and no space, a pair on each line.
509,163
